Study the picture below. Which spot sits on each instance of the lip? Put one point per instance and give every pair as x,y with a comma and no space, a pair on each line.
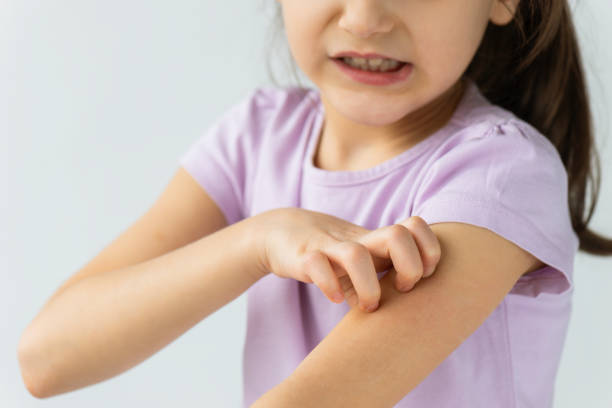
366,55
375,78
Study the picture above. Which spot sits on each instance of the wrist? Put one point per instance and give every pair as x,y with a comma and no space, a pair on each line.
252,244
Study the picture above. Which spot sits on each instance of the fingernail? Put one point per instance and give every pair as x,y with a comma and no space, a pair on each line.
338,297
406,287
371,308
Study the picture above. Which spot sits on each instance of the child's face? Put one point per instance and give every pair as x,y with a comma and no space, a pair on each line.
438,37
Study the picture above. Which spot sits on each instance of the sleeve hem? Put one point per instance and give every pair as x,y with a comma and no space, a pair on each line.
508,224
231,213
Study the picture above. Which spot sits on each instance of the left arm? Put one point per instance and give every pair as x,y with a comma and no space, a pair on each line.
375,359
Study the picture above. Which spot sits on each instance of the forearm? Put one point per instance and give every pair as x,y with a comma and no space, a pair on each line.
105,324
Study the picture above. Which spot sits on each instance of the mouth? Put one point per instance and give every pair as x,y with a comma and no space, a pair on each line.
380,65
374,71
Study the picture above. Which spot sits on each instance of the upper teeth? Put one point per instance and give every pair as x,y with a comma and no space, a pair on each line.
372,64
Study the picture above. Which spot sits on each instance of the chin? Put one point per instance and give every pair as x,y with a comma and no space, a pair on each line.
368,110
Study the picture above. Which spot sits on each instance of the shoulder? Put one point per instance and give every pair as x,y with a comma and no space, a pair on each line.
489,135
260,111
482,125
500,144
497,159
286,99
277,116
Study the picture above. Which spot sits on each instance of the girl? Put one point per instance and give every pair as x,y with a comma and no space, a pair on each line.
440,135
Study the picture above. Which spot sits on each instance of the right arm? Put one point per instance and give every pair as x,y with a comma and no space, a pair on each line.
102,324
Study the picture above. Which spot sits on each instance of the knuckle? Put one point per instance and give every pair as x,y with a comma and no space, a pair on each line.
307,270
354,251
416,221
311,258
419,219
398,231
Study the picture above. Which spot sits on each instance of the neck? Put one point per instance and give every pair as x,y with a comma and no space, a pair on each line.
344,144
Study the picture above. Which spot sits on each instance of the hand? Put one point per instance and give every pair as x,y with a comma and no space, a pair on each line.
342,258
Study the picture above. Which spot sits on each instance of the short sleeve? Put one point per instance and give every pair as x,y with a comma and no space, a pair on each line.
510,180
221,159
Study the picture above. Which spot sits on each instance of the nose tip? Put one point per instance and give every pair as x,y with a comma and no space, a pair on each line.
365,18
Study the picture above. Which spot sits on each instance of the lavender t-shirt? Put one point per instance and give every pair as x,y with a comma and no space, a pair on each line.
486,167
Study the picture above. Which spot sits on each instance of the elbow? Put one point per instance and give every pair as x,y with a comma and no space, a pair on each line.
30,374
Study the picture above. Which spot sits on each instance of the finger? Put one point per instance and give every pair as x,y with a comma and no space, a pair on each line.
396,242
349,291
357,262
426,241
316,266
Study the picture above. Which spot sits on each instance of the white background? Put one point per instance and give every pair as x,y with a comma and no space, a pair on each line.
98,99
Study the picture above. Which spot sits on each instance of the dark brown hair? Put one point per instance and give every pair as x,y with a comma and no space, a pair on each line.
543,84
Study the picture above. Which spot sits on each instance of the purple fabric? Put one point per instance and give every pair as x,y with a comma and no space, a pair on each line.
486,167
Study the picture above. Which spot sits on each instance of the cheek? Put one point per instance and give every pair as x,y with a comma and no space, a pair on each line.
448,48
306,26
299,37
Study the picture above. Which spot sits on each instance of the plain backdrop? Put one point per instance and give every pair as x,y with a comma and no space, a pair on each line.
99,99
